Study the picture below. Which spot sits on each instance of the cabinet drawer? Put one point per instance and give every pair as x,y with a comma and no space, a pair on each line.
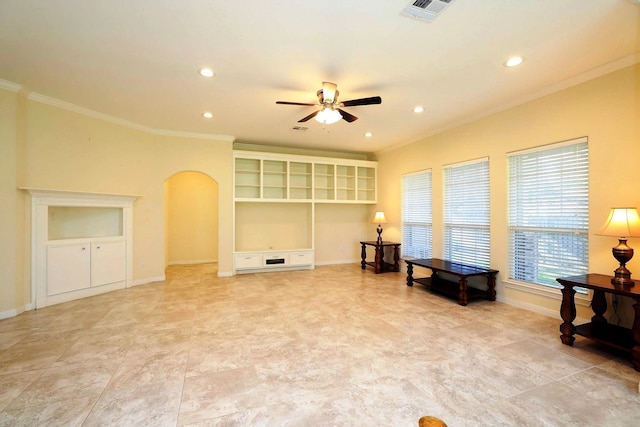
275,260
247,261
301,258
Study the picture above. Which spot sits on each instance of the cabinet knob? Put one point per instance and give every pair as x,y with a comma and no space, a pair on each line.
83,248
97,247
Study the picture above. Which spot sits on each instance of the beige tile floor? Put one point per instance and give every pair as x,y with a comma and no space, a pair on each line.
336,346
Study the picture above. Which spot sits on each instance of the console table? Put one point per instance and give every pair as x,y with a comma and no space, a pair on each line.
458,290
599,329
379,264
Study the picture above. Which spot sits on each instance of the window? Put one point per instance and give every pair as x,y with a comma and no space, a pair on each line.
466,213
549,212
416,215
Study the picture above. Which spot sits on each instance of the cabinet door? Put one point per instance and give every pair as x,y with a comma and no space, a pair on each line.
107,262
68,267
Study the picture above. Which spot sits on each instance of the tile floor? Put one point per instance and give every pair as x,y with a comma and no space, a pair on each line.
336,346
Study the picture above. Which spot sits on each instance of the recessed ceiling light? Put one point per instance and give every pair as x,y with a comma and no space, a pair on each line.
514,61
368,134
418,109
206,72
207,115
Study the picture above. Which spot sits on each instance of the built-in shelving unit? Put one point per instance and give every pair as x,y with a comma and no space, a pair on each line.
275,197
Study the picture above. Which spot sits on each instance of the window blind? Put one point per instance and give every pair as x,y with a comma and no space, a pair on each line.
466,213
549,212
417,215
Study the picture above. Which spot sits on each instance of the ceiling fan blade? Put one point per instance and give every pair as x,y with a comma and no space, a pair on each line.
310,116
347,116
362,101
329,91
295,103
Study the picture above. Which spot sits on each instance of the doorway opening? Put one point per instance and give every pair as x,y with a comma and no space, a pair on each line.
191,219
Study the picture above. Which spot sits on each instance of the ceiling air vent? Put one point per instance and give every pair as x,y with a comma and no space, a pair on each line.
426,10
299,128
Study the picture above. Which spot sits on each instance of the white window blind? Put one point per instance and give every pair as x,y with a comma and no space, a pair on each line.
549,212
466,213
416,215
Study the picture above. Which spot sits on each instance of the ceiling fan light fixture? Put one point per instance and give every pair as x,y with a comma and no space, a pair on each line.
328,116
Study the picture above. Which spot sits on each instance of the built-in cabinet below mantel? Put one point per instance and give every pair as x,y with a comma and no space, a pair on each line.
81,244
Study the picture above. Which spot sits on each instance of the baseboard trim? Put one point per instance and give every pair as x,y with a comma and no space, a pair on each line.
341,261
193,261
540,310
146,280
225,273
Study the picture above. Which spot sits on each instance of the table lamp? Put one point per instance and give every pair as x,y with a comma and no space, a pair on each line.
379,219
622,223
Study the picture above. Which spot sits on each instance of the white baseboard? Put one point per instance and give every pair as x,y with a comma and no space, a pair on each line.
341,261
225,273
146,280
193,261
9,313
13,313
540,310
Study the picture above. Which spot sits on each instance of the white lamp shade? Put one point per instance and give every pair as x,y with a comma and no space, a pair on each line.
379,218
622,222
328,116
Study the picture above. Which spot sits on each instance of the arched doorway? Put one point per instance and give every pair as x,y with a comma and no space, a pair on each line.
191,219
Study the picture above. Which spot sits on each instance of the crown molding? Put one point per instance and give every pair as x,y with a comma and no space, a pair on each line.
194,135
10,86
54,102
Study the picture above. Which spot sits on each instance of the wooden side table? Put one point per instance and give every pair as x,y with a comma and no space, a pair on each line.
599,329
379,265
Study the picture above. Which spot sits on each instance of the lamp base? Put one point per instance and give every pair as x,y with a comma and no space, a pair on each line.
623,253
622,277
379,230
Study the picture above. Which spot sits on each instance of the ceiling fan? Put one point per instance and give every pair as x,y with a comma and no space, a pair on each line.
331,110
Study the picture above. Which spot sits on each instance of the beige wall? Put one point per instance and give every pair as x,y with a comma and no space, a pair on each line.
11,279
65,150
606,110
192,218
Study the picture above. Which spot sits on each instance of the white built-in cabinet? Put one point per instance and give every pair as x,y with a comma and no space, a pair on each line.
81,244
275,197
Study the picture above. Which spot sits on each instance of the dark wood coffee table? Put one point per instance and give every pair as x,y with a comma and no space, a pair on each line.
458,290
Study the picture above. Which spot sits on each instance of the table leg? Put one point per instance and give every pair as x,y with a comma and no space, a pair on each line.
409,274
491,283
363,255
635,333
599,306
568,314
462,291
396,258
379,258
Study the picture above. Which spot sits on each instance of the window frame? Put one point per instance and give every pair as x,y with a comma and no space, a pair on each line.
549,289
425,222
472,228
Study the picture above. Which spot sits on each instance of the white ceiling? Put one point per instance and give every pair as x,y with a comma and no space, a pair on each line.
137,60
